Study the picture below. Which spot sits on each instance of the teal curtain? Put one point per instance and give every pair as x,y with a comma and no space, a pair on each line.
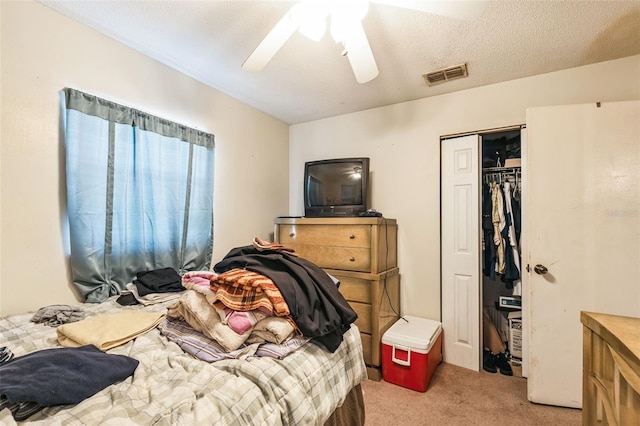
139,194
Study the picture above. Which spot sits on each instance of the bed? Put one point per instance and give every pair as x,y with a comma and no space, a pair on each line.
174,384
309,386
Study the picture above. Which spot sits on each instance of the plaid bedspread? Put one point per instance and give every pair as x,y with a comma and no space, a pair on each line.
170,387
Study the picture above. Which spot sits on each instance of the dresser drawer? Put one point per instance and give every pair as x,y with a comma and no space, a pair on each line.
350,259
326,235
355,289
364,316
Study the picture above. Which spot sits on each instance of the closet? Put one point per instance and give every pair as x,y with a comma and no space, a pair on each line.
579,238
481,202
501,231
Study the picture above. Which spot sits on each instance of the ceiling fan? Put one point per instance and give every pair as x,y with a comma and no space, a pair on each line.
345,16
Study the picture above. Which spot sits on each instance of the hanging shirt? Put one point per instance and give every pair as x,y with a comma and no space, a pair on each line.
489,249
513,241
499,223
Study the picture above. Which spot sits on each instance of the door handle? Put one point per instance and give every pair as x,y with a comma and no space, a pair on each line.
540,269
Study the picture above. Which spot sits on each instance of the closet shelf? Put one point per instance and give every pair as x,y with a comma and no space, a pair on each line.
501,169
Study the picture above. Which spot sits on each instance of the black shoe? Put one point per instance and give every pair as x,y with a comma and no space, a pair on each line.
488,362
503,365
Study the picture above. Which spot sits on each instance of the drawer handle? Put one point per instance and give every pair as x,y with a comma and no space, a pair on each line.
352,236
292,235
352,259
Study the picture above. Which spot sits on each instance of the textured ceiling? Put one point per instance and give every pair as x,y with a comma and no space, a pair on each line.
209,40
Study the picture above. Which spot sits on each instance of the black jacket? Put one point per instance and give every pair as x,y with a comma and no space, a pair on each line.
316,305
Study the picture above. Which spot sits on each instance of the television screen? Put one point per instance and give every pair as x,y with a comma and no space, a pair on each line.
336,187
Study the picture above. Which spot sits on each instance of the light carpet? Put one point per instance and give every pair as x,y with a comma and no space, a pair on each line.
458,396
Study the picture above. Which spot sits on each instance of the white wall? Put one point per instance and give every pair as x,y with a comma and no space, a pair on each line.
43,52
403,142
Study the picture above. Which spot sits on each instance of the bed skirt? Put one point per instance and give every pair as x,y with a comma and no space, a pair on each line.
350,413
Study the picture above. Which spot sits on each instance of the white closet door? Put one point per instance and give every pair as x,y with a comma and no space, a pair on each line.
460,251
584,229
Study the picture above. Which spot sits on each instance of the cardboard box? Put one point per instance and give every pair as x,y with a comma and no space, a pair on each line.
516,366
512,162
515,334
411,352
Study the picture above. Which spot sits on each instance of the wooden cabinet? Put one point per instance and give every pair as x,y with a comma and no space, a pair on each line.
611,369
362,254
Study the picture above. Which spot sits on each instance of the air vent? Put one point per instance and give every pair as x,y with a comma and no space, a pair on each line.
446,74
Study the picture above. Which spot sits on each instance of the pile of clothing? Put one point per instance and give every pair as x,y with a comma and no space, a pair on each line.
260,300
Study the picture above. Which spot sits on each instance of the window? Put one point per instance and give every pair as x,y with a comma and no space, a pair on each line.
139,194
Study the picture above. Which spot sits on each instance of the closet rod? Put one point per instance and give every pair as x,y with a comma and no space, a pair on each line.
511,175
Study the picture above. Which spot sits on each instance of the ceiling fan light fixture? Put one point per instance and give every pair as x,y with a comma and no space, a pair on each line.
343,16
310,17
314,31
338,29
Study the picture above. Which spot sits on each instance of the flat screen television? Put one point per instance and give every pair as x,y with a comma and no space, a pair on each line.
336,187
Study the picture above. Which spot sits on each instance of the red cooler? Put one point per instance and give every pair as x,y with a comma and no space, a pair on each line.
411,351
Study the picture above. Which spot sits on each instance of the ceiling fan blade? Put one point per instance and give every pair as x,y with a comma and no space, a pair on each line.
271,44
359,54
466,10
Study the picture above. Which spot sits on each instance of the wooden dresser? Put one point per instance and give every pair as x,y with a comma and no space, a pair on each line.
611,369
362,254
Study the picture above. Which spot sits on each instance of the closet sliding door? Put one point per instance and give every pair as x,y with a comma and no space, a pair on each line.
460,251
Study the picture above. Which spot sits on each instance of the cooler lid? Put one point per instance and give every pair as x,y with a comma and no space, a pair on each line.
415,333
